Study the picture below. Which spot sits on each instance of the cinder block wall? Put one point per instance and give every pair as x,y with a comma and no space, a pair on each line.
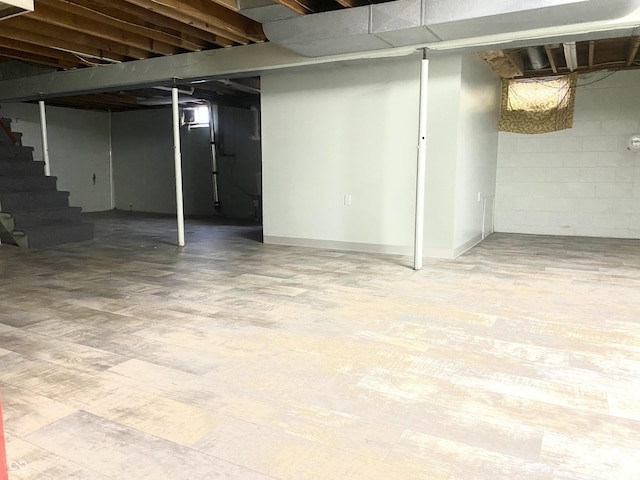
581,181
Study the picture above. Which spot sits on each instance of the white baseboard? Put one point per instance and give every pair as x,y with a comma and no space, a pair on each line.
336,245
444,253
452,253
467,245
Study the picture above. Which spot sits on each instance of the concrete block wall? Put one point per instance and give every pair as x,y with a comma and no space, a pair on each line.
581,181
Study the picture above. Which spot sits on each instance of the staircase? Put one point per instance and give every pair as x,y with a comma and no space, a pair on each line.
33,213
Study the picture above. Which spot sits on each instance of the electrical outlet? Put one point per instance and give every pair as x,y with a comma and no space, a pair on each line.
479,197
347,199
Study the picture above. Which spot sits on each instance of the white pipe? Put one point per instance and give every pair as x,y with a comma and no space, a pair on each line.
45,138
213,136
112,193
178,166
422,160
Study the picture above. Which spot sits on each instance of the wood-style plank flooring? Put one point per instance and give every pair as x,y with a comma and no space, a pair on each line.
128,358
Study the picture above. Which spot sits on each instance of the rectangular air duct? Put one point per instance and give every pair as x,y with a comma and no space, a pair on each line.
420,22
11,8
264,10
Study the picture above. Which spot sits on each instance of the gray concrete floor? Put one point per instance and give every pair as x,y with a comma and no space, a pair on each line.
128,358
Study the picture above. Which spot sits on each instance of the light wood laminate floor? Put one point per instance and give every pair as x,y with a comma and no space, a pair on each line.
128,358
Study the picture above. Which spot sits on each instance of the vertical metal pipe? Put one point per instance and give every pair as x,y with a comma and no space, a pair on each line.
422,160
178,166
45,138
112,192
213,133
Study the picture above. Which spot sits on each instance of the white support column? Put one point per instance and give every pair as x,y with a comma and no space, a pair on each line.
178,166
45,138
422,160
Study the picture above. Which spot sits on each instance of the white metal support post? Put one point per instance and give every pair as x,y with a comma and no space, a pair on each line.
422,161
45,138
178,166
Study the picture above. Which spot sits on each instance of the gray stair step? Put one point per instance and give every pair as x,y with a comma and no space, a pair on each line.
27,183
6,238
27,201
9,168
40,237
10,152
5,140
41,217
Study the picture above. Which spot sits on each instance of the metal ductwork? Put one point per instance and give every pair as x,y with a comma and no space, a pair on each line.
537,58
427,23
264,10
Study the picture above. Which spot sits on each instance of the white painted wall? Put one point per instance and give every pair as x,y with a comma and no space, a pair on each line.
462,140
341,129
580,181
78,149
477,152
239,162
143,163
443,118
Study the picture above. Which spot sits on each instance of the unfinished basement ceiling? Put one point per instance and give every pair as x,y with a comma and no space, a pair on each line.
79,34
611,54
75,34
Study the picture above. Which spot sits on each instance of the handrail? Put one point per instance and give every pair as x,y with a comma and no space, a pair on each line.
10,134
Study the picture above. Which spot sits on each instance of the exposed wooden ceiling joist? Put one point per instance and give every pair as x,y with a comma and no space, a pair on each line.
56,35
634,45
188,17
552,59
80,20
302,7
352,3
30,36
47,60
592,55
139,16
44,52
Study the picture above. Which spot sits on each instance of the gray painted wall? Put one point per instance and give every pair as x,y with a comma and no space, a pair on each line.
143,175
143,164
336,131
240,159
78,149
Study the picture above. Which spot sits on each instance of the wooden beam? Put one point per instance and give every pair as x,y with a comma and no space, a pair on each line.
31,36
80,20
551,58
592,52
58,35
131,24
189,17
299,6
37,59
230,4
352,3
218,16
634,45
151,20
52,53
103,101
